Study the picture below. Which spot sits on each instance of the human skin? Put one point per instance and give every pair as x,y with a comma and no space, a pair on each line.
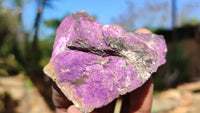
139,100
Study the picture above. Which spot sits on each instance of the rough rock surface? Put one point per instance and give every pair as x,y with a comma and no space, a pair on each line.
93,64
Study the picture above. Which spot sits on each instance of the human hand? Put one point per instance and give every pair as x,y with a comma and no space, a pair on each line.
138,101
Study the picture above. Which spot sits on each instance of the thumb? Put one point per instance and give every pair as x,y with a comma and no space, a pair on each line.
143,30
73,109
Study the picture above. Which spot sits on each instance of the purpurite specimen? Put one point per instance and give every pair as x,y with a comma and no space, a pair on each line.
93,64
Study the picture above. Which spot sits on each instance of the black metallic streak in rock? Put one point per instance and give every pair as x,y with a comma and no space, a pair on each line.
92,50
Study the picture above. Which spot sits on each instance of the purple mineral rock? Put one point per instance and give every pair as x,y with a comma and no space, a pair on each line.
93,64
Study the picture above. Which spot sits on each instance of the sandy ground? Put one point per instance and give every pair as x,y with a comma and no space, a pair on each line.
183,99
17,95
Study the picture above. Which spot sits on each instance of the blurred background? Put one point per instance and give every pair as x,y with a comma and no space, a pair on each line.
27,32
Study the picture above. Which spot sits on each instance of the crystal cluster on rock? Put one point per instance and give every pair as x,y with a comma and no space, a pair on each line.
93,64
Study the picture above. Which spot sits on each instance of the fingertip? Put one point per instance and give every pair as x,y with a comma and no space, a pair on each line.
141,98
59,99
143,30
73,109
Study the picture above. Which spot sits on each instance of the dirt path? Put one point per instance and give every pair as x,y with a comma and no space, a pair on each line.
183,99
17,95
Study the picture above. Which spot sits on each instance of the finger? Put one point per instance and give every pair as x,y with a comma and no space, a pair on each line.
72,109
141,98
60,101
143,30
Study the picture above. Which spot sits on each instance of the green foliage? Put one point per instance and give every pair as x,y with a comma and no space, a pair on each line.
9,65
177,57
189,22
194,21
17,53
8,46
53,23
46,46
27,53
95,17
29,84
19,3
8,26
175,70
160,82
178,61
